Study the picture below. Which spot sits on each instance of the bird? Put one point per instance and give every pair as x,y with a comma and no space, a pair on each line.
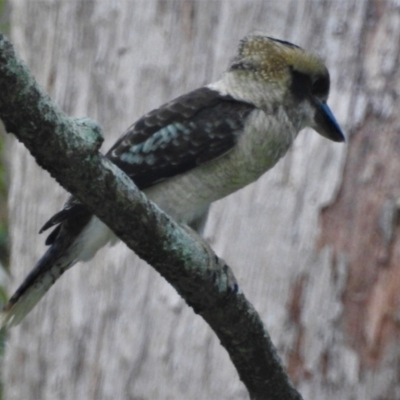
196,149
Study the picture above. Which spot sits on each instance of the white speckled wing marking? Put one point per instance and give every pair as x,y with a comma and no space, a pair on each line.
180,136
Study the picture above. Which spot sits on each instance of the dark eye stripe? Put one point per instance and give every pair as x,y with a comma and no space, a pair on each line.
320,87
302,85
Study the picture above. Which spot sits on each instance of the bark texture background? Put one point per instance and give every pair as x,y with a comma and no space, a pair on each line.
314,243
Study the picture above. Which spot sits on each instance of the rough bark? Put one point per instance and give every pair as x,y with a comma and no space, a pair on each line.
314,242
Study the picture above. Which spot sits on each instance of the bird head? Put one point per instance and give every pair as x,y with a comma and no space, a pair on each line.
289,75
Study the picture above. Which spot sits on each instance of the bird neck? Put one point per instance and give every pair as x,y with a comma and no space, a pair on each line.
254,90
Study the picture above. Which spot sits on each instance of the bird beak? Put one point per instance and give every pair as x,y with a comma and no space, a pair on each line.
326,124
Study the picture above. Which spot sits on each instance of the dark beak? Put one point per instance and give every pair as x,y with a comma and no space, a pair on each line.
326,124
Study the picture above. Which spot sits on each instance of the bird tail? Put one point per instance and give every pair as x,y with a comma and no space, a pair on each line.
77,237
48,269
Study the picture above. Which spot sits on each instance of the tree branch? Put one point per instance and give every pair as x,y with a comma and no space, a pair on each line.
68,149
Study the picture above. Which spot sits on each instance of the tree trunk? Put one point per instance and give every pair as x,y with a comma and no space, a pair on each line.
322,225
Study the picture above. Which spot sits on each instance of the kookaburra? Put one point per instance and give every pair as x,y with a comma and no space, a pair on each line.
196,149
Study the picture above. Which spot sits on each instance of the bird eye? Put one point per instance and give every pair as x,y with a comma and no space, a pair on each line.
320,87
